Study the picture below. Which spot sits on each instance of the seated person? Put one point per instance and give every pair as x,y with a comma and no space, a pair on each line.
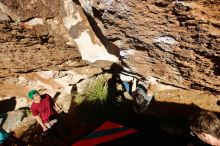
44,109
141,96
206,126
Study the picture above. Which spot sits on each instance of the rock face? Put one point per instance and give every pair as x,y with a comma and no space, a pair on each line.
51,45
27,9
45,35
10,120
48,46
24,50
27,42
176,41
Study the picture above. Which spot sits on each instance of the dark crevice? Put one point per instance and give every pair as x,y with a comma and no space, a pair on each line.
77,2
163,3
198,86
212,58
140,47
44,39
216,25
114,39
98,14
28,19
28,71
216,67
111,48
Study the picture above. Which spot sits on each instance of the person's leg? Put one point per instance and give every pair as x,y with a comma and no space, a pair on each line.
47,125
50,124
58,128
150,90
141,100
126,86
51,130
148,95
62,126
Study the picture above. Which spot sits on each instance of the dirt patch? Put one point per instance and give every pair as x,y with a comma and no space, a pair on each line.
202,99
173,106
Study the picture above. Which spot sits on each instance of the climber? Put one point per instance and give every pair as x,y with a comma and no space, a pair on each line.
206,126
141,96
7,139
44,109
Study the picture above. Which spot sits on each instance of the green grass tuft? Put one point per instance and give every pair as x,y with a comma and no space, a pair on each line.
97,91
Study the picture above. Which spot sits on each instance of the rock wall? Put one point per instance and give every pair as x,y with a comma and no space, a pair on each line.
52,45
45,35
175,41
48,46
24,50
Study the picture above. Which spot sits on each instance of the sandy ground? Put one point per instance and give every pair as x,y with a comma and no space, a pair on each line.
177,103
203,100
166,101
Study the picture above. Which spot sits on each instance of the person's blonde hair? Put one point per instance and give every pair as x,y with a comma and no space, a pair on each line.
205,122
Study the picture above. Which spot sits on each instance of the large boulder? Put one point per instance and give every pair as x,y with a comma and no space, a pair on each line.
176,41
10,120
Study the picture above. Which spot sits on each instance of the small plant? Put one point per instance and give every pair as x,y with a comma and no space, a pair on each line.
78,99
100,98
97,91
27,111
